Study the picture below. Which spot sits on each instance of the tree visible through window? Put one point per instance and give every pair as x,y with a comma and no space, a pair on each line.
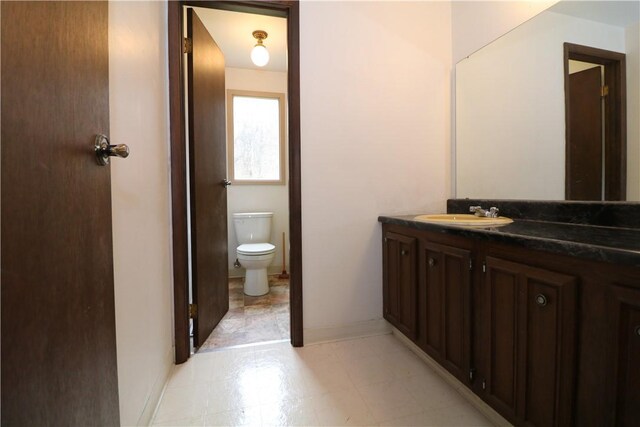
256,140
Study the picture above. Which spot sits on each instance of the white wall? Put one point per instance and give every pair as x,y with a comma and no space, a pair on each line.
477,23
259,198
633,112
141,216
375,100
510,133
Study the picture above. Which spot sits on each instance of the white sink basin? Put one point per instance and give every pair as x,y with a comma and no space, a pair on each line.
464,219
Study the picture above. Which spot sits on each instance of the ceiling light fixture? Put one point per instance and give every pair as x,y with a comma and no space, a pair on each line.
260,54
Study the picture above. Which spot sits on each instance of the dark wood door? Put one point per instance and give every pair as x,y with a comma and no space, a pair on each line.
445,275
528,373
584,151
58,322
399,283
207,171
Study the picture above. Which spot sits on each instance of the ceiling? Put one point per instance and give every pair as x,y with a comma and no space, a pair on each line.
618,13
232,32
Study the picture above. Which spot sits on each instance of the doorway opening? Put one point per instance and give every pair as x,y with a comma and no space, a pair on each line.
208,295
257,179
595,116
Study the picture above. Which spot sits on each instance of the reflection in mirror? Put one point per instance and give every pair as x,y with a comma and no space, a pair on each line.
510,103
595,100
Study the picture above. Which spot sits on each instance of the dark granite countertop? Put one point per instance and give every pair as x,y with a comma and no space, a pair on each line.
608,244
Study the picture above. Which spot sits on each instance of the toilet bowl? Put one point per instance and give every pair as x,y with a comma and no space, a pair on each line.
255,254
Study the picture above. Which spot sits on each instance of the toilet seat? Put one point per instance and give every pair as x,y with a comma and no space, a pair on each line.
256,249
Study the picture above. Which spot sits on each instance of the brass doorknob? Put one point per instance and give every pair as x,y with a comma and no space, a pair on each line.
104,150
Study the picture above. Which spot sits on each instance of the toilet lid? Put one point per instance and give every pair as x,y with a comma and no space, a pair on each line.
256,249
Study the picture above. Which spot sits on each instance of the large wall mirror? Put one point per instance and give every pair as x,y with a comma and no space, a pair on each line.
512,120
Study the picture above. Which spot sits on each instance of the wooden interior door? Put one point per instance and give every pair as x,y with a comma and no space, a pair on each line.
207,172
58,318
584,150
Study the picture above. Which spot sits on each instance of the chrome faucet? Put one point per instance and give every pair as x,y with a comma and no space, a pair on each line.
478,211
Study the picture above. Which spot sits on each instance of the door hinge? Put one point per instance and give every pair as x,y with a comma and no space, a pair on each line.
472,374
193,311
604,91
484,267
187,46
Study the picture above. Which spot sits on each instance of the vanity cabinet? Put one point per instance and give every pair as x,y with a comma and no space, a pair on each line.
608,374
426,286
400,282
526,365
626,334
545,339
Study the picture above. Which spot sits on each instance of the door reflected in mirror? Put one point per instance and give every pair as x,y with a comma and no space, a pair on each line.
513,125
595,119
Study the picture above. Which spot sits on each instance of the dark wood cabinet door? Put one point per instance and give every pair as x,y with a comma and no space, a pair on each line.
546,347
528,373
399,283
627,336
500,300
430,308
445,276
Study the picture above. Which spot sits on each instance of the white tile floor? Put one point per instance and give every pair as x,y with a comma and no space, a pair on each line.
366,381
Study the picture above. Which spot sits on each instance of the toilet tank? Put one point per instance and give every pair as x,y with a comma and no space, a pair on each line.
252,227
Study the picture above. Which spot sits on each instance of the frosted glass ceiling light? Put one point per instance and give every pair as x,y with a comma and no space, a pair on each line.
260,54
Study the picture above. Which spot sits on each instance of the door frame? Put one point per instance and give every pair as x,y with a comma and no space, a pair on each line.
615,116
285,9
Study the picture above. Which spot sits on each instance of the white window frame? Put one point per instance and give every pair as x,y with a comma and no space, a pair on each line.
231,93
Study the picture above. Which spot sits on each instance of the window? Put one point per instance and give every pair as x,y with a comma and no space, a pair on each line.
255,137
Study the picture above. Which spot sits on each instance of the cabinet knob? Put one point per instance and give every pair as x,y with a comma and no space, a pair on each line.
403,252
541,300
432,262
637,330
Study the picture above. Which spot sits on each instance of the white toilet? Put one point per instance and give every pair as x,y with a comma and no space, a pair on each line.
253,231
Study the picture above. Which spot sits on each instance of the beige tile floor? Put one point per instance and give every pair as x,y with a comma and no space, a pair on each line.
252,319
373,381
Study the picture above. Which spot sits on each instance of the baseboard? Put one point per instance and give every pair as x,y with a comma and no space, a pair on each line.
462,389
157,390
353,330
